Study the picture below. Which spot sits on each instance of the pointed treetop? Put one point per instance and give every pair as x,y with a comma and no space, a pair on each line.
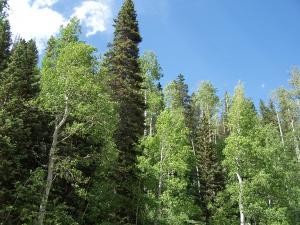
3,7
126,24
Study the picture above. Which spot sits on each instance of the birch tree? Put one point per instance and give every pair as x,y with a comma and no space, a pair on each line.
153,98
259,171
70,88
164,166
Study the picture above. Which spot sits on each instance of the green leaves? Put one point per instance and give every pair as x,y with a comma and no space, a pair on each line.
164,167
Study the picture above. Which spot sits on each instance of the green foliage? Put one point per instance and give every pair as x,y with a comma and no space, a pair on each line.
194,164
153,97
19,122
268,113
176,94
125,81
5,35
70,71
206,99
164,168
72,87
256,154
211,177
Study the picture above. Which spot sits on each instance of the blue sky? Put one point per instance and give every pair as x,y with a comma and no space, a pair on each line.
223,41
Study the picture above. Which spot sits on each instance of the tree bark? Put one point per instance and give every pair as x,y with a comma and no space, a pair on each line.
241,206
52,153
280,128
145,114
151,126
197,170
160,185
295,141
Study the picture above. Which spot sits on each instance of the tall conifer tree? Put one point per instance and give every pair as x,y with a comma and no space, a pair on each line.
126,84
210,170
17,122
5,35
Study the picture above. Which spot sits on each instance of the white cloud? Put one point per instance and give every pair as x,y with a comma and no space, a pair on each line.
263,86
95,15
34,21
44,3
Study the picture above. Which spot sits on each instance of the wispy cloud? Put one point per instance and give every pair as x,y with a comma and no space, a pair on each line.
44,3
36,19
95,15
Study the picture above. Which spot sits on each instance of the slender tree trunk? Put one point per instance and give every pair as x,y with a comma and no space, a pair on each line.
295,141
136,215
280,128
160,185
197,170
145,114
151,126
210,133
217,131
241,206
52,153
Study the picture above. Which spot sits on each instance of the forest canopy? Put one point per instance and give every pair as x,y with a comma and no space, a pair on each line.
98,140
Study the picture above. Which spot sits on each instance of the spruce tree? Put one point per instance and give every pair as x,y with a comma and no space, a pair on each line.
210,170
126,84
18,119
177,95
5,35
268,113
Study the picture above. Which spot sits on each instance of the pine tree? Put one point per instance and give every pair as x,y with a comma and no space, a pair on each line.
210,170
20,79
18,122
177,96
207,154
268,113
5,35
126,84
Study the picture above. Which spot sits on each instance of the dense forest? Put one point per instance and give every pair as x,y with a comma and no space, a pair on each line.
97,140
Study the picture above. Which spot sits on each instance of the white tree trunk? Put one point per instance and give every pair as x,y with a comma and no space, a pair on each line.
52,153
217,131
151,126
160,172
280,129
209,131
160,181
295,141
241,206
197,169
145,114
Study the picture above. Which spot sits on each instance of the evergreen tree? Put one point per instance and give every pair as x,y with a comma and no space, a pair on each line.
126,86
5,35
224,126
21,76
207,154
210,170
19,123
268,113
177,96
